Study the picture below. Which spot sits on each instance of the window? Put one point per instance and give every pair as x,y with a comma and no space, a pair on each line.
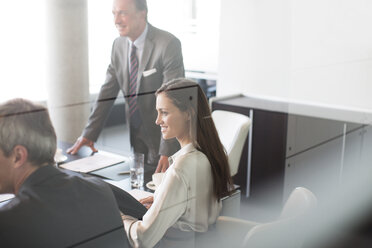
196,24
102,32
23,52
23,45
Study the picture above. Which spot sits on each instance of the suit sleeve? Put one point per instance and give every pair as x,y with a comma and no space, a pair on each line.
173,68
106,98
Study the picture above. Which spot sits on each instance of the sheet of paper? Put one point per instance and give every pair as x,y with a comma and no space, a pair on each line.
4,197
114,172
139,194
92,163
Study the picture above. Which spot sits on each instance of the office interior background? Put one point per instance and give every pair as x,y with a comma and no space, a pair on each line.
313,56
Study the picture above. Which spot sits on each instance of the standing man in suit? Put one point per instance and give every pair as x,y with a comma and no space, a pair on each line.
51,208
142,59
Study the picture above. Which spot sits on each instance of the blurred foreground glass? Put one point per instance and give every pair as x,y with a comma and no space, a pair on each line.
137,170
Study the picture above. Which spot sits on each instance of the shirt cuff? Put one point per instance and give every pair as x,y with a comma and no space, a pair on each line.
128,221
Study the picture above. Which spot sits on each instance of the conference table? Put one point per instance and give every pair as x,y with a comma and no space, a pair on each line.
112,174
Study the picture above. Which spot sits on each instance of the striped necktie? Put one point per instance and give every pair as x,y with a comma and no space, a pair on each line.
135,118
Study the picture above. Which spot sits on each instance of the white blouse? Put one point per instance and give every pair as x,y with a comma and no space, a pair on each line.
184,200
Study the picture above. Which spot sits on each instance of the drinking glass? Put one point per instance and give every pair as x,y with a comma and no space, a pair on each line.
137,170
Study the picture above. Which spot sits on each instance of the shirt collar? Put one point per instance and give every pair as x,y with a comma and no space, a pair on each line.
186,149
140,41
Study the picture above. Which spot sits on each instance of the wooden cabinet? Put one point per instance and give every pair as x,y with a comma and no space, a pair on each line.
315,156
366,154
358,152
288,150
262,164
306,132
317,168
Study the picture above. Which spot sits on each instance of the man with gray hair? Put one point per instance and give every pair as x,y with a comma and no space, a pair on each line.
51,208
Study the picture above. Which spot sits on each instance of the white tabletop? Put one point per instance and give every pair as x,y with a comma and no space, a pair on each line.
293,106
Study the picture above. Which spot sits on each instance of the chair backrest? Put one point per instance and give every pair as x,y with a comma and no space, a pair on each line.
288,230
232,129
281,233
299,202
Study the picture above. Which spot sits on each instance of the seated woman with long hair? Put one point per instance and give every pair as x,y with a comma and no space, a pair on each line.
189,198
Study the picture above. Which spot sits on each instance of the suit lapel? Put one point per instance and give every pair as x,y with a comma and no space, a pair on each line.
147,50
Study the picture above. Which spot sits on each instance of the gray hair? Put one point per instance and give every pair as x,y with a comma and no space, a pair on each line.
141,5
25,123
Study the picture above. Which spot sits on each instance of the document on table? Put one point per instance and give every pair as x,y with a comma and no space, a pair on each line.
4,197
139,194
92,163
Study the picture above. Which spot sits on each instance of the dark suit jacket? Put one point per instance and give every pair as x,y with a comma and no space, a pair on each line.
55,209
162,52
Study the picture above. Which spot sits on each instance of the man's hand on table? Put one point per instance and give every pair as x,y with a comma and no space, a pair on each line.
163,164
81,141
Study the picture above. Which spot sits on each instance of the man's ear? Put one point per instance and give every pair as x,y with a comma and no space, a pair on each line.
143,14
20,155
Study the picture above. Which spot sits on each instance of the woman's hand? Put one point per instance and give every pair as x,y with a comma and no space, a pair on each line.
147,202
163,164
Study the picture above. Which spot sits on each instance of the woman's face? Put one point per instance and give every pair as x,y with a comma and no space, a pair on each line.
172,121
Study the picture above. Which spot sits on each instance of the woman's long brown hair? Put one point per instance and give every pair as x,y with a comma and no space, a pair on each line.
187,96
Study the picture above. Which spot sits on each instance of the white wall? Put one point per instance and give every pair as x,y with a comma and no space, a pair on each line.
312,50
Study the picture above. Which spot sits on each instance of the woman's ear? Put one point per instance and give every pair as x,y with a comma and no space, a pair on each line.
190,114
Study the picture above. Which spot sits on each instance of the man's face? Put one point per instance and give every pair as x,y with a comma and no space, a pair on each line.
129,21
6,172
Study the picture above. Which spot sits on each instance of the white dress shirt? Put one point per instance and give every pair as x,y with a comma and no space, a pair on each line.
184,200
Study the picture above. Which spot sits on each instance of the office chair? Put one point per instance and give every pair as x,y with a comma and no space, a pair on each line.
232,129
283,232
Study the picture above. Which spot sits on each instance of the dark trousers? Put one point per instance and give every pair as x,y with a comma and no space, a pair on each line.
139,146
127,204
